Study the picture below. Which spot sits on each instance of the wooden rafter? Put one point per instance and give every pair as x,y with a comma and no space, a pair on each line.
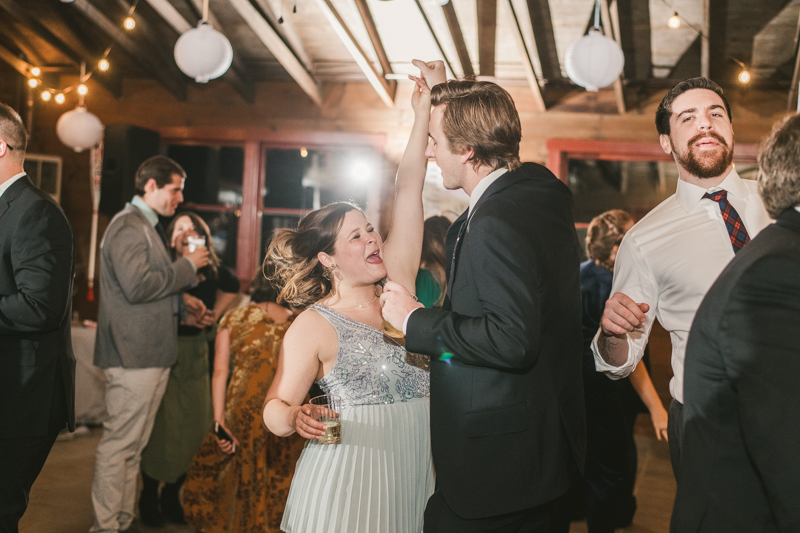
487,31
19,13
530,74
612,32
435,38
545,39
633,21
163,73
234,76
23,67
375,79
377,44
458,39
278,48
794,103
288,32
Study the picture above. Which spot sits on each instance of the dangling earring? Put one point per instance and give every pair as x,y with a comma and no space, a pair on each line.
327,272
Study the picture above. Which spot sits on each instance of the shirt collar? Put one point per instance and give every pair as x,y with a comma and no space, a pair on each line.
139,203
689,195
482,185
9,182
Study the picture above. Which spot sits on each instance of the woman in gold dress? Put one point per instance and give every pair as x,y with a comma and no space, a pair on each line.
242,485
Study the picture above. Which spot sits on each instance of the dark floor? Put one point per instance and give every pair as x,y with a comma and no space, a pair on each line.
60,499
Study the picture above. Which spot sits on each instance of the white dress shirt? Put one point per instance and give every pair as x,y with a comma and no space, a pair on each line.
670,259
10,181
477,192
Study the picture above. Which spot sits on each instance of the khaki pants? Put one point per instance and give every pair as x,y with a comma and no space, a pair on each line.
132,399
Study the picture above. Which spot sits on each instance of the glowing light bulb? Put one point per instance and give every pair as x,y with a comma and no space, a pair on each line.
46,96
35,71
33,83
103,64
674,22
744,76
129,23
60,98
82,89
303,152
361,172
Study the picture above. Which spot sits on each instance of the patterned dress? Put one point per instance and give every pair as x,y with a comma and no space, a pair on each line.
244,492
379,477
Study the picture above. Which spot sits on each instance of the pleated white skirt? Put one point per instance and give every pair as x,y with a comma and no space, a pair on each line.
376,480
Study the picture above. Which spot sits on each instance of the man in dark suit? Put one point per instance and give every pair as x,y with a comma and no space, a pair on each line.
507,414
739,469
37,366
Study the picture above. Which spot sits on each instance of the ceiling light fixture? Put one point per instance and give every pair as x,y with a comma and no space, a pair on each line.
674,21
744,76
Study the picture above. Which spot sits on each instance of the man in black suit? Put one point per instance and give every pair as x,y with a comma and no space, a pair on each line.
507,414
739,469
37,366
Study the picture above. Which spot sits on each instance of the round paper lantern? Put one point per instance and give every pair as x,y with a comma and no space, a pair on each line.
79,129
594,61
203,53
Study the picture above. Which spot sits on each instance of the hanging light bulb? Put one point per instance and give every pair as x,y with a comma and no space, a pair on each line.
129,23
35,71
744,76
103,64
82,89
60,98
674,21
33,83
303,152
46,96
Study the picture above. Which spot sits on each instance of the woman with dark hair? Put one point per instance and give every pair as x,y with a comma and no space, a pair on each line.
240,483
378,478
185,415
611,406
431,282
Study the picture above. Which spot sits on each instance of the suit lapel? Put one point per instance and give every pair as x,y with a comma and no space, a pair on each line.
451,242
12,192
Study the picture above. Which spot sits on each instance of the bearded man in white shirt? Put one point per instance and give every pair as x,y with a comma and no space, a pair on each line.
670,258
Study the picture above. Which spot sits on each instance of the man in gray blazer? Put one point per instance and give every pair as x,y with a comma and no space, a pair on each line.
137,339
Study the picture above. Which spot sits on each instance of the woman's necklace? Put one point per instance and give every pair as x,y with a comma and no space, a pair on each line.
360,306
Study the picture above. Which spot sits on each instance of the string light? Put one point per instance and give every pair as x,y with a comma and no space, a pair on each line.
103,64
35,71
744,76
303,152
60,98
33,83
129,23
46,96
674,21
82,89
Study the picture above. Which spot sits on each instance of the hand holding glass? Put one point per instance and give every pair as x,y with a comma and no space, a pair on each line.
326,409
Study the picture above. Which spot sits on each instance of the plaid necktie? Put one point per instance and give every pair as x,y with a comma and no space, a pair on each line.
733,222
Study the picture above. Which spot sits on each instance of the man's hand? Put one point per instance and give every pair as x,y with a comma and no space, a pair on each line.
622,315
194,306
433,72
396,304
199,257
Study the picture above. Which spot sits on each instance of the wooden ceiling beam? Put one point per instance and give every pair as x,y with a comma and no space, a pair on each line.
278,48
378,82
458,38
487,36
715,27
21,66
16,11
288,31
162,73
235,75
527,63
794,101
545,39
612,32
633,22
435,38
377,44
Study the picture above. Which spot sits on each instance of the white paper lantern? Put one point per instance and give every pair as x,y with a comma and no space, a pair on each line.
594,61
203,53
79,129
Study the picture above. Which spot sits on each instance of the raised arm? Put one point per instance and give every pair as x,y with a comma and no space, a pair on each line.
404,245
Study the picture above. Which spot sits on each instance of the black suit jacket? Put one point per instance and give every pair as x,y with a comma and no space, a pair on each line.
37,366
740,465
507,414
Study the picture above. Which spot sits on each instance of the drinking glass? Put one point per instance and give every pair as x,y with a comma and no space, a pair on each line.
326,409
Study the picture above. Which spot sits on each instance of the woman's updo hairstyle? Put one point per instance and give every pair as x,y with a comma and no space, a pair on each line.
293,253
606,231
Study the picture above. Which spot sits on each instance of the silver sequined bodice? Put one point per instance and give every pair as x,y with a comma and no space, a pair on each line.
368,369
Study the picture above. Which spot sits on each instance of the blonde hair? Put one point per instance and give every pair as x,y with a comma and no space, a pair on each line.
606,231
296,270
779,167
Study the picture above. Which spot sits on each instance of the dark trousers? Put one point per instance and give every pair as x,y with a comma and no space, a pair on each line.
21,460
439,518
675,434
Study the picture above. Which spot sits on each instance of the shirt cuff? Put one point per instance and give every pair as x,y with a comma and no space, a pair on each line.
613,372
405,322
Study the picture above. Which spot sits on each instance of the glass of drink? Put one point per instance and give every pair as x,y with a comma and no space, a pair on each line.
195,243
326,409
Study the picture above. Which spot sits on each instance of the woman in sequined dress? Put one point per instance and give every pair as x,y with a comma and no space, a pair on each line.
379,477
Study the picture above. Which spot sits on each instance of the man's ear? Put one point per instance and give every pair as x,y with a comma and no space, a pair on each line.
468,154
150,186
666,143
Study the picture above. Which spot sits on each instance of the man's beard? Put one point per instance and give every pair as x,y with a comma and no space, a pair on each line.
710,165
